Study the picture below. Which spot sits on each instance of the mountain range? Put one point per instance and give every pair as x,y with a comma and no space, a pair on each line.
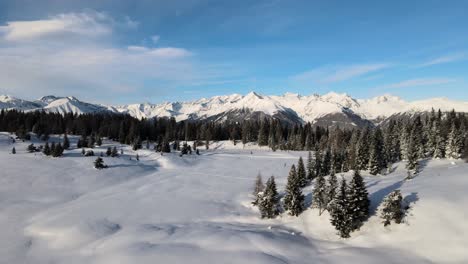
331,109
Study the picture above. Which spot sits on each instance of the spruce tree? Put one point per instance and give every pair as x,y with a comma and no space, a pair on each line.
66,142
258,189
46,149
454,146
294,199
332,189
13,150
98,141
108,151
301,173
358,199
392,208
114,152
362,151
269,203
412,158
310,167
377,160
319,194
340,216
99,163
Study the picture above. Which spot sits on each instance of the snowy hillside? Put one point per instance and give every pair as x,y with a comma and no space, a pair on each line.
321,109
196,209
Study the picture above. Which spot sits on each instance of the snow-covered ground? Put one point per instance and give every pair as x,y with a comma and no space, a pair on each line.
196,209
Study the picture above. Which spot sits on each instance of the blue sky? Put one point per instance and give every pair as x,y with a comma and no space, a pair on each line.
135,51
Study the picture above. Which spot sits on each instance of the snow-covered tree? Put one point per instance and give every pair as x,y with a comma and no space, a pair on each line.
269,203
412,157
114,152
319,194
332,188
358,200
301,173
454,145
340,216
310,167
392,208
362,150
258,189
294,199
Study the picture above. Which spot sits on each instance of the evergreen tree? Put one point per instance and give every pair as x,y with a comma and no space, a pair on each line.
114,152
332,188
301,173
269,203
263,134
454,146
99,163
358,199
294,199
392,208
99,141
319,194
58,150
46,149
340,216
108,151
362,151
66,142
377,160
13,150
412,158
258,189
310,167
52,149
83,152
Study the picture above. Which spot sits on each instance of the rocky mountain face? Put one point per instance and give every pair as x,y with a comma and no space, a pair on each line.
331,109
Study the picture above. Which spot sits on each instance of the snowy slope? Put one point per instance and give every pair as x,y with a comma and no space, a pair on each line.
328,108
196,209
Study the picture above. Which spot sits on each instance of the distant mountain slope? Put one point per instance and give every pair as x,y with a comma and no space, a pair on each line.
331,109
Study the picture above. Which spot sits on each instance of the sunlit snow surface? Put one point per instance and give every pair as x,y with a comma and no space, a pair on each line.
196,209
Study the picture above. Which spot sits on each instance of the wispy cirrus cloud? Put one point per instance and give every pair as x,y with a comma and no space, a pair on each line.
417,82
444,59
333,74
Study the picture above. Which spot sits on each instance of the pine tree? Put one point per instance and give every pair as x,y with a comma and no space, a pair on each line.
46,149
340,216
263,134
99,163
108,151
392,208
412,158
66,142
57,150
258,189
301,173
362,151
13,150
319,194
137,157
454,146
114,152
98,141
294,199
269,203
358,199
310,167
377,160
332,188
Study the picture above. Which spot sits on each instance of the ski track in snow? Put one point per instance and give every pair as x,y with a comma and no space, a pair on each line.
196,209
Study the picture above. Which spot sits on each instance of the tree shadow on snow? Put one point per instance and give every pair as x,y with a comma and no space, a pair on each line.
410,199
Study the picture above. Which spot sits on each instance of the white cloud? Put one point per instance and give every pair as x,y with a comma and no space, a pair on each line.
93,67
418,82
155,39
91,24
445,59
333,74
